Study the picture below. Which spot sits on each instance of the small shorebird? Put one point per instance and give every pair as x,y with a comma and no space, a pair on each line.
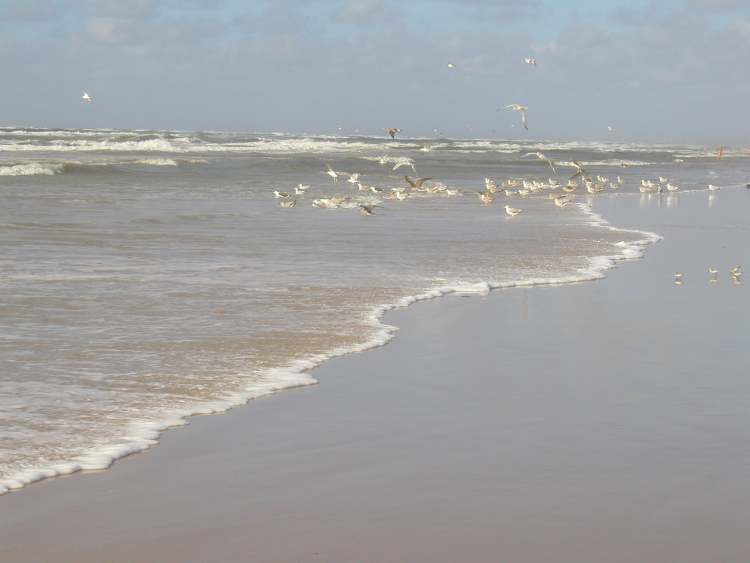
486,198
354,178
663,180
392,131
713,272
332,173
288,203
367,209
530,61
278,195
522,110
490,185
301,189
512,211
712,188
562,201
541,156
416,183
736,271
87,98
425,148
672,187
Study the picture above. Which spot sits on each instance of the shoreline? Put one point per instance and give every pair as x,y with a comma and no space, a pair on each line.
141,437
509,426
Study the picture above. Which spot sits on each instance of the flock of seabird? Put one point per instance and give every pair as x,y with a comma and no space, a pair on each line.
735,275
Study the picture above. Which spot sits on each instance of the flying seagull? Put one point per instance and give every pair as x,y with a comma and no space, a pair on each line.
540,156
522,109
86,97
451,65
392,131
530,61
416,183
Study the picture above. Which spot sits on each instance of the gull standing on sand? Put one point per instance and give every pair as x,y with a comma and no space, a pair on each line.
522,110
512,211
87,98
541,156
392,131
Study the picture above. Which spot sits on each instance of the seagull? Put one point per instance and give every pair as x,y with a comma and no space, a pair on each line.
353,178
404,161
288,203
561,201
672,187
416,183
392,131
580,170
367,209
609,128
678,278
301,189
712,188
277,194
530,61
512,211
332,173
736,271
522,109
490,185
451,65
540,156
86,97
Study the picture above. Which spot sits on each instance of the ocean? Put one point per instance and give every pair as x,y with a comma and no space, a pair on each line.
148,276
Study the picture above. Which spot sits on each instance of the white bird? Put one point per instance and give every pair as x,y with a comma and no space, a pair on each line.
451,65
712,188
713,271
512,211
86,97
561,201
288,203
522,110
353,178
301,189
736,271
663,180
678,278
609,128
277,194
530,61
672,187
403,161
332,173
325,203
541,156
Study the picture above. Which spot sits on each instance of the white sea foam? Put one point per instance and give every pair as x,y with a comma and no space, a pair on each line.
32,169
140,435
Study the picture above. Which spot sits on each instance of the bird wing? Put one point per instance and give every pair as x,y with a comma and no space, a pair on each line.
524,119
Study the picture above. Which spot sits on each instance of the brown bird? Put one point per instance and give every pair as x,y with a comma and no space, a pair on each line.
416,183
392,131
367,209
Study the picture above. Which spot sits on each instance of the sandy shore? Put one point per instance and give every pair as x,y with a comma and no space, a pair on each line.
604,421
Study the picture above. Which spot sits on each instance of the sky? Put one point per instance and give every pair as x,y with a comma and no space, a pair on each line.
672,71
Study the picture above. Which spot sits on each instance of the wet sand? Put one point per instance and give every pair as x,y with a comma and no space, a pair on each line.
604,421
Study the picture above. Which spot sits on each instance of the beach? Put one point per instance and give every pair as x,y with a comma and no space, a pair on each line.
588,422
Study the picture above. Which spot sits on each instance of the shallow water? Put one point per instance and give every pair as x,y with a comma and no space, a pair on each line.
151,275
